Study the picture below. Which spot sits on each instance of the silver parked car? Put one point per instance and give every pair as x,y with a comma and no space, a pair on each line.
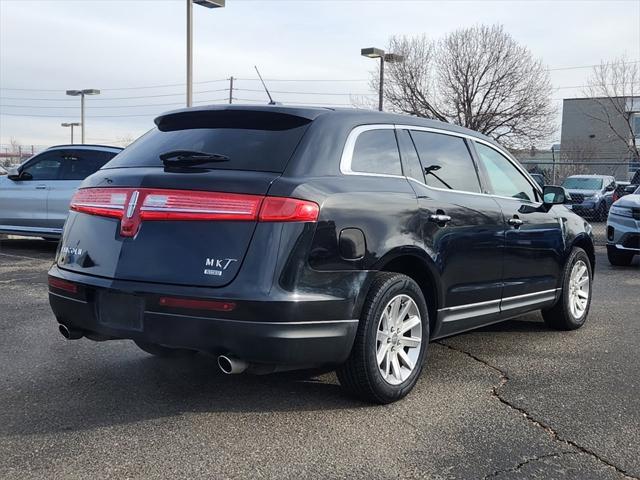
623,229
34,197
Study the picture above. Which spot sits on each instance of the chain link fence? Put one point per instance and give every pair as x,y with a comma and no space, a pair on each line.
591,198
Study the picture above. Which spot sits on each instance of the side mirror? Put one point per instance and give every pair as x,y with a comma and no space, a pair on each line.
554,195
610,188
13,173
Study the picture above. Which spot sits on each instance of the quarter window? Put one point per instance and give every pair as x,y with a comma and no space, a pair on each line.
376,151
504,178
446,161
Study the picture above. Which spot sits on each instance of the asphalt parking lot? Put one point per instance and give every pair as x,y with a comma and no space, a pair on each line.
514,400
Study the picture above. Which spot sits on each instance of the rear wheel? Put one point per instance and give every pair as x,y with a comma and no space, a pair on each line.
571,310
619,258
164,352
391,342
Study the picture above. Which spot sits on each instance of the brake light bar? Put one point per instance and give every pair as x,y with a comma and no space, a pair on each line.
193,304
63,285
132,206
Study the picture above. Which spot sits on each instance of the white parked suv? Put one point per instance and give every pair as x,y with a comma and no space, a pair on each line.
34,197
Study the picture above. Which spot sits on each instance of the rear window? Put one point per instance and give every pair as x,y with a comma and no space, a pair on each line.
582,183
252,141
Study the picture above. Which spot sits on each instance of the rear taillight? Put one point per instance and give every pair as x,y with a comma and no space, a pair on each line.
279,209
106,202
132,206
193,205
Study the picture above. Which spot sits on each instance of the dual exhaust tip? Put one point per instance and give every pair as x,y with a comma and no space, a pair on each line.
228,364
70,333
231,365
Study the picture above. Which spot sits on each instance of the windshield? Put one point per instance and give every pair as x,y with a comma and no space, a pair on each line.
582,183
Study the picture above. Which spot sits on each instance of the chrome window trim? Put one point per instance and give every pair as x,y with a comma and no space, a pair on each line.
347,157
349,147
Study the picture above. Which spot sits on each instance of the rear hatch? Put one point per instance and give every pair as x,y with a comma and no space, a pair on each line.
177,221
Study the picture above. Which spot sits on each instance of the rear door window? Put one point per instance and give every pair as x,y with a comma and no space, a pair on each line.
255,141
446,161
79,164
376,151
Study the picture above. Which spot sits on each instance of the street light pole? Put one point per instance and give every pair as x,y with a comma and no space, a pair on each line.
189,53
384,57
70,124
81,94
204,3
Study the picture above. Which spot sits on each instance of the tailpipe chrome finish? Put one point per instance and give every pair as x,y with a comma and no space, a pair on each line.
231,365
70,333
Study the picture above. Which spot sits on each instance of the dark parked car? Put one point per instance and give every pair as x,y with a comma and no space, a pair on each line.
282,238
591,195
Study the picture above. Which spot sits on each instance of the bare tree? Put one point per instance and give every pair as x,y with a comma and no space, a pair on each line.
410,86
477,77
615,86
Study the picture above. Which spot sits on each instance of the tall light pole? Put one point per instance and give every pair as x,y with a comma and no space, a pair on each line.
384,57
81,94
71,124
204,3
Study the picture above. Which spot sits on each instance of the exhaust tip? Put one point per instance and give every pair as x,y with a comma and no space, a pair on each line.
230,365
70,333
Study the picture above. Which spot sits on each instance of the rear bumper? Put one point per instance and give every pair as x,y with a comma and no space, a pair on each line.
291,333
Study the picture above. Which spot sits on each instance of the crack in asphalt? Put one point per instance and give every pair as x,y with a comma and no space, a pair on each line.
527,462
504,378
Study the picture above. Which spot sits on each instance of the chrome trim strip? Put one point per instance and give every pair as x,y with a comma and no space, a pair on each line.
15,228
528,299
627,248
319,322
68,298
460,312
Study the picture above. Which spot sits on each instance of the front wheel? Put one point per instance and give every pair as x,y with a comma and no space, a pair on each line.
571,310
391,342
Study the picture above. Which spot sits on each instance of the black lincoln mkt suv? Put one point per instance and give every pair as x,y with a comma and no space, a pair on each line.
280,238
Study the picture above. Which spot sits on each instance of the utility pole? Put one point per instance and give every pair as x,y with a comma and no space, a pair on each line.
553,170
231,90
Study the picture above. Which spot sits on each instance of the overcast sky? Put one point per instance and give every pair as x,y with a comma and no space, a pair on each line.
49,46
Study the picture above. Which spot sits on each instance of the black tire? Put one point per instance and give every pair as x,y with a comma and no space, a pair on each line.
164,352
360,375
560,317
602,212
619,258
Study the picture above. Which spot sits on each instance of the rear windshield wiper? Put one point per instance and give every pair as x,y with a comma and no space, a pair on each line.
185,158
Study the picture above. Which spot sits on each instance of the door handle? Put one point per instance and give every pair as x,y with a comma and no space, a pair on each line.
41,187
439,218
515,222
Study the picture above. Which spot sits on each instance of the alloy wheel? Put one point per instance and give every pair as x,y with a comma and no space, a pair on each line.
579,289
398,339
